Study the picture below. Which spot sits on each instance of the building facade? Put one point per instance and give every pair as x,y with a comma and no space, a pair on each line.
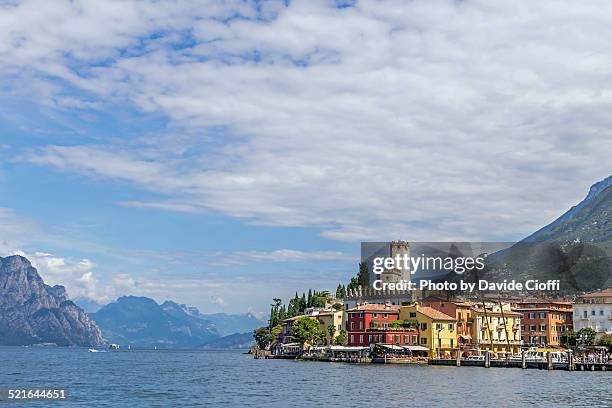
462,312
369,324
594,310
497,328
331,318
437,330
543,322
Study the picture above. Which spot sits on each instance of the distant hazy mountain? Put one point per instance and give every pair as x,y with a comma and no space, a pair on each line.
575,248
224,323
141,322
233,341
88,305
234,323
32,312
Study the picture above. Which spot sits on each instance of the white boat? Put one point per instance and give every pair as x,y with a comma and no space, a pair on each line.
538,354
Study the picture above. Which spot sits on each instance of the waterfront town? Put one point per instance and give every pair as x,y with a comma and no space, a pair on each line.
364,325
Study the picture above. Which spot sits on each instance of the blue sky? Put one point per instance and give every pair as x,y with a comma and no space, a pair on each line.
234,151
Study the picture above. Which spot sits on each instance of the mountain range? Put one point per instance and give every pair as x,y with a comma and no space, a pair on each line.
576,248
32,312
141,322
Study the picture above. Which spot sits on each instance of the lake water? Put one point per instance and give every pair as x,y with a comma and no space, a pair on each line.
230,378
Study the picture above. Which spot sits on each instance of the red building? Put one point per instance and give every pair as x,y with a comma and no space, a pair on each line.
373,324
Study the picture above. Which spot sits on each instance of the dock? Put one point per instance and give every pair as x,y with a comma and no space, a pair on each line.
541,365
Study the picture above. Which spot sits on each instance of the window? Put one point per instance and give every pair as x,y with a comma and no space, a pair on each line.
370,339
380,338
439,326
452,343
396,339
531,316
522,327
423,326
415,339
361,338
542,327
352,339
406,339
385,315
412,314
352,325
451,327
532,327
361,325
585,315
361,314
423,340
542,315
592,313
374,314
601,313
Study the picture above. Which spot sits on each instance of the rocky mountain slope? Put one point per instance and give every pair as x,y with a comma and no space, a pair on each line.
32,312
576,248
141,322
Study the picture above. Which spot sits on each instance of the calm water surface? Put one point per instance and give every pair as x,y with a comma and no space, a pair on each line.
230,378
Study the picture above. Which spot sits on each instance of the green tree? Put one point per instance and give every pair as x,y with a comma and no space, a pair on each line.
274,311
282,314
309,301
568,339
339,292
341,339
364,275
303,304
274,333
307,330
354,283
331,330
586,336
605,340
262,337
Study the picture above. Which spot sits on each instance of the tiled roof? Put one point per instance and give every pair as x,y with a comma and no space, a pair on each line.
373,307
434,314
602,293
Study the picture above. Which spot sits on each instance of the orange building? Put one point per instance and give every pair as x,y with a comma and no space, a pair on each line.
544,321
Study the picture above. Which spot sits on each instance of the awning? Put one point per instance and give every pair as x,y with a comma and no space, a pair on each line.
417,348
348,348
392,347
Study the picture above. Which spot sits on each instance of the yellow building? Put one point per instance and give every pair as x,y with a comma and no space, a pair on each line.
437,330
496,328
331,318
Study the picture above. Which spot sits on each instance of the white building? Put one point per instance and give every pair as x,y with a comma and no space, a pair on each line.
594,310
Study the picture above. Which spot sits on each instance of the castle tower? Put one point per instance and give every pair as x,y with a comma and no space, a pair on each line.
401,248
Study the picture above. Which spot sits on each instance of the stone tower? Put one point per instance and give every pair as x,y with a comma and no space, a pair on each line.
395,275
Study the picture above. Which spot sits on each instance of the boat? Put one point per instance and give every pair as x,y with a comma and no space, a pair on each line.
538,354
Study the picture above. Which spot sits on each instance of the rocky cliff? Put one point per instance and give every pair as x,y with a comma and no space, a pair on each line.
32,312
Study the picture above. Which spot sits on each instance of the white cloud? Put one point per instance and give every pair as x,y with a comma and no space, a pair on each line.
420,120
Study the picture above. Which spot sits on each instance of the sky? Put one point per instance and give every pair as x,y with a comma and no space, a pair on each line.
223,153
